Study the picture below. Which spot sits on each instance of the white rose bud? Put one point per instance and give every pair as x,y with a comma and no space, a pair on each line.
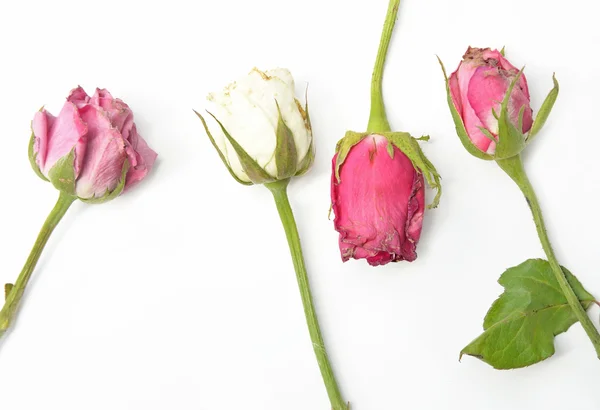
261,131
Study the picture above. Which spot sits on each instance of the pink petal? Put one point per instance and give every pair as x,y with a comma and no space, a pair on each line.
78,97
487,89
66,132
507,66
105,155
101,94
470,118
119,113
141,158
518,99
41,125
378,203
455,92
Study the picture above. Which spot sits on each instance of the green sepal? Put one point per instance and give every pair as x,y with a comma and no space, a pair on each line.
304,110
110,195
214,144
344,146
511,140
286,157
544,111
7,289
62,174
458,123
255,172
309,158
411,148
307,161
520,327
487,134
390,150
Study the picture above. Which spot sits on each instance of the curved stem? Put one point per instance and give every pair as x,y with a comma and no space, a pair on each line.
514,168
14,293
378,119
279,191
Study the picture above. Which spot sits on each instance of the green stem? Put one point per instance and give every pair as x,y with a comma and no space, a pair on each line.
514,168
378,119
279,191
14,293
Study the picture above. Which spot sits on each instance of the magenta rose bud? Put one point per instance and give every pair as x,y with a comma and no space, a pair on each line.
92,149
479,86
378,197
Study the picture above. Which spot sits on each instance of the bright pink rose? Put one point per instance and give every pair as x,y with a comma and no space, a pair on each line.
478,87
378,203
101,131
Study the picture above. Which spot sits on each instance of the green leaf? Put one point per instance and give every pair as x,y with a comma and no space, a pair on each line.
520,326
511,140
214,144
62,174
115,192
33,156
254,171
545,110
460,126
286,157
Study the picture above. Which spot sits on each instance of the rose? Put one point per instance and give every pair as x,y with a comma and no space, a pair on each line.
92,149
262,132
263,136
489,102
379,201
479,86
377,181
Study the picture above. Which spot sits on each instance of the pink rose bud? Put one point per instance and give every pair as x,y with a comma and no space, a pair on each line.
378,196
92,149
479,86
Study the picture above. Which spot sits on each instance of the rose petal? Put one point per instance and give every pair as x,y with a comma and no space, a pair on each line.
487,89
469,116
66,132
378,203
141,158
78,97
105,155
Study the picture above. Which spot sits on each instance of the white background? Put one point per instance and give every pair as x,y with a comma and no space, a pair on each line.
181,294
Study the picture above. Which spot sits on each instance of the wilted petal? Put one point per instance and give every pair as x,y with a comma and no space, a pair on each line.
250,124
378,203
487,89
67,131
78,96
104,158
42,123
479,86
141,158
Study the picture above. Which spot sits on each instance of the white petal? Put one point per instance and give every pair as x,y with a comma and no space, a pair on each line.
247,118
223,145
283,82
247,109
